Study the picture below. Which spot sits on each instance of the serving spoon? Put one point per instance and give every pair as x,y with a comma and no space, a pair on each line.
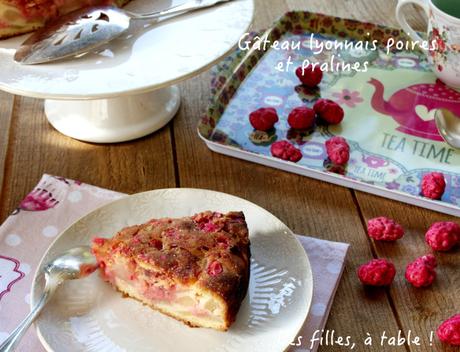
89,28
448,126
76,263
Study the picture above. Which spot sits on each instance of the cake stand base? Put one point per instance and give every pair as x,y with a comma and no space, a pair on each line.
115,119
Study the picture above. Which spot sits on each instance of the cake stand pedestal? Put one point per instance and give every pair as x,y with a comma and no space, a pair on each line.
114,119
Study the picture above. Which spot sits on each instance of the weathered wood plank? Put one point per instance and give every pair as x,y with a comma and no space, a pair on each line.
419,310
36,148
6,111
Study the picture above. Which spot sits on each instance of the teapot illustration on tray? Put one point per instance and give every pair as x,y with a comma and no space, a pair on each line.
413,107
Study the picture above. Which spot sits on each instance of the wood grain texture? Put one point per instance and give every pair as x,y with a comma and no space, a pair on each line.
374,11
6,109
37,148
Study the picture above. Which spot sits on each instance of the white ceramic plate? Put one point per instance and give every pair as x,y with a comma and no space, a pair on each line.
153,58
88,315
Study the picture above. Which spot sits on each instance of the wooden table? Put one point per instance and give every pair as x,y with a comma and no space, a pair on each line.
176,157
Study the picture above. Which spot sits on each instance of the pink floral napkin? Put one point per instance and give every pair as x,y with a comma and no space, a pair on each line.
57,202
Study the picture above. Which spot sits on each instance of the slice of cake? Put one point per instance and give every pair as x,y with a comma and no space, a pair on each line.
23,16
194,269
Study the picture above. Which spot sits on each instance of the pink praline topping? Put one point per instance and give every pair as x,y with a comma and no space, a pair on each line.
215,268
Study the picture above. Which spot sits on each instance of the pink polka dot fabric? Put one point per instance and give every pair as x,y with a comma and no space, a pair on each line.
327,261
57,202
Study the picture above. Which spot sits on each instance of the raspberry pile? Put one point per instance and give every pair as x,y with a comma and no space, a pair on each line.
310,76
433,185
443,235
421,272
377,272
286,151
301,118
263,119
449,331
329,111
384,229
338,150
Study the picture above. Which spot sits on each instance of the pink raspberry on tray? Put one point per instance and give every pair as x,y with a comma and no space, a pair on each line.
263,119
443,235
286,151
338,150
310,76
449,331
384,229
433,185
377,272
301,118
329,111
421,272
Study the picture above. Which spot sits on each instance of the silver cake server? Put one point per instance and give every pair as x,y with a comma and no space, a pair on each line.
89,28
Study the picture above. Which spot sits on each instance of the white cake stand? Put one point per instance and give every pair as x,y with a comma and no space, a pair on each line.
128,90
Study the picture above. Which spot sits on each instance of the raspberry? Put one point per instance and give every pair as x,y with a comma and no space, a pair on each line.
384,229
172,233
311,76
286,151
329,111
210,227
87,269
215,268
421,272
320,105
263,119
449,331
223,241
99,241
443,235
378,272
301,118
433,185
338,150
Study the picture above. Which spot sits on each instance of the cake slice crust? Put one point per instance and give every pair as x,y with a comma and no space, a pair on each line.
23,16
194,269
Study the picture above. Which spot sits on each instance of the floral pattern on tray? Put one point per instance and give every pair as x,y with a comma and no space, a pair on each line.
389,120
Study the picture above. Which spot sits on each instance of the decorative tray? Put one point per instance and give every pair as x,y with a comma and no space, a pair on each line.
389,121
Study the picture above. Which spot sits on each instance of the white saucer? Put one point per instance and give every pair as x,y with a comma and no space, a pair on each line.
89,315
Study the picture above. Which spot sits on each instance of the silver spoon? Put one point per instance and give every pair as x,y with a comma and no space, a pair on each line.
84,30
448,126
73,264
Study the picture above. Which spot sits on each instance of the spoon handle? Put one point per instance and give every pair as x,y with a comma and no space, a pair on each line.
182,8
10,343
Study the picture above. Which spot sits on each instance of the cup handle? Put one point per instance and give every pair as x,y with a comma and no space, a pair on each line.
403,22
